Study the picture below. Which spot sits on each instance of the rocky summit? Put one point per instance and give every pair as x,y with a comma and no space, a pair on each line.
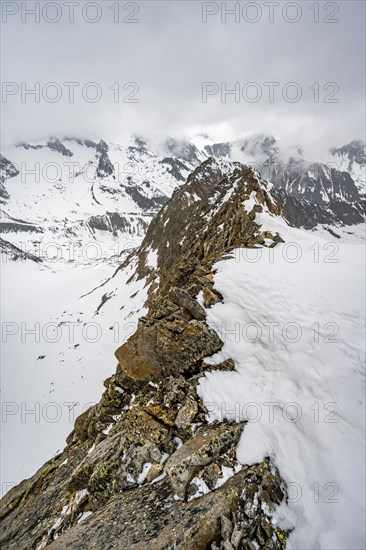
144,467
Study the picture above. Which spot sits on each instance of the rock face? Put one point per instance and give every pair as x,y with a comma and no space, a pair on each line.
302,213
9,250
145,464
7,171
215,520
354,152
166,346
318,183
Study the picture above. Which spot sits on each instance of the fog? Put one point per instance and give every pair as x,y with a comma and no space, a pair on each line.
297,70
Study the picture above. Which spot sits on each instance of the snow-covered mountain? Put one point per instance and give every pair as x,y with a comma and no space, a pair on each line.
83,200
79,191
341,176
352,158
238,392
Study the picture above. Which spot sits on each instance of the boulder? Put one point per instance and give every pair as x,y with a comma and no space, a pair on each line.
211,297
154,351
182,299
207,445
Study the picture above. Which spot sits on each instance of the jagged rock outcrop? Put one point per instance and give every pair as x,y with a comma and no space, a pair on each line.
54,143
175,167
184,150
204,448
114,222
355,152
144,463
7,170
105,166
10,251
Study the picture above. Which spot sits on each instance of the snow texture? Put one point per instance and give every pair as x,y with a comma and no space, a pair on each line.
295,330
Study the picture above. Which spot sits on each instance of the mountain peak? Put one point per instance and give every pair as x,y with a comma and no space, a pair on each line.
208,216
355,151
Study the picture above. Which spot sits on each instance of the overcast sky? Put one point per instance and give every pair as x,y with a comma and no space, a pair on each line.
169,52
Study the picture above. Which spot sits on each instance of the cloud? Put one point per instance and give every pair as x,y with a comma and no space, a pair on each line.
167,56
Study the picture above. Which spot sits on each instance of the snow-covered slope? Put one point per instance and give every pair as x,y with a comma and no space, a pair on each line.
60,328
293,320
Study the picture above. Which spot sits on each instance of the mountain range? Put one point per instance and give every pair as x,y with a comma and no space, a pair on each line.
70,190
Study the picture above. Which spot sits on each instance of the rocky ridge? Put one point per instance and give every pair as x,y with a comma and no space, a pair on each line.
144,466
